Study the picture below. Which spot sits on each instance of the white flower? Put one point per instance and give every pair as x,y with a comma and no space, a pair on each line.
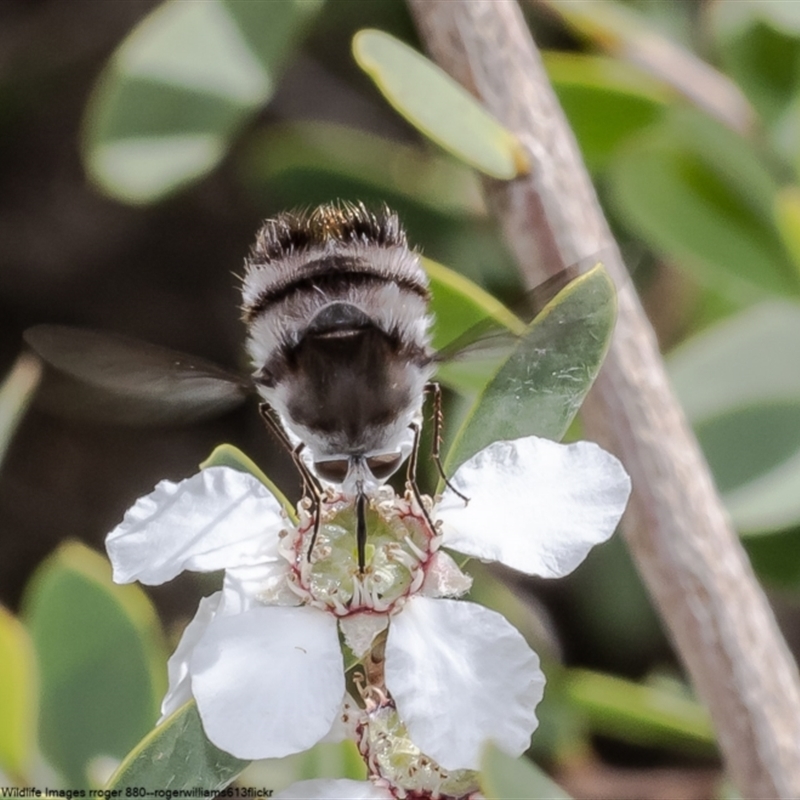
262,657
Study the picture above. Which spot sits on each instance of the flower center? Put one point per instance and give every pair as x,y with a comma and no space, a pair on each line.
395,762
400,543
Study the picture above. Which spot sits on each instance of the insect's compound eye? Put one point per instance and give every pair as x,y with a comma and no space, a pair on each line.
334,471
384,465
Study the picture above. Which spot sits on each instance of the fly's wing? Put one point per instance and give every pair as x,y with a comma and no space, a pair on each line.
539,387
469,360
106,378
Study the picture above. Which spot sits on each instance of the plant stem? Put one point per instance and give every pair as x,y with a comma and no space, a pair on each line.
676,526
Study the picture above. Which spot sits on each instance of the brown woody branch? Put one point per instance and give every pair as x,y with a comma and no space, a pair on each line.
676,526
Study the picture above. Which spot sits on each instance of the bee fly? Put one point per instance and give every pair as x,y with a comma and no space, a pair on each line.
336,305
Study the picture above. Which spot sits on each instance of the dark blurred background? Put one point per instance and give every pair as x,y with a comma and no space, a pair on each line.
69,255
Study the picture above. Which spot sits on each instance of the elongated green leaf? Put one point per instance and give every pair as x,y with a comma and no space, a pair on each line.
438,106
780,15
697,194
380,170
646,715
177,755
179,88
506,778
787,220
101,660
609,603
459,305
739,383
757,44
737,165
540,387
524,613
632,35
605,101
16,392
438,199
18,698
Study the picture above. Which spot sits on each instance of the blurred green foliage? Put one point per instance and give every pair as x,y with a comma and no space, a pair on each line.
100,657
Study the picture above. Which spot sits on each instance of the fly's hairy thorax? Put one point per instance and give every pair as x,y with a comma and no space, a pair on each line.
336,305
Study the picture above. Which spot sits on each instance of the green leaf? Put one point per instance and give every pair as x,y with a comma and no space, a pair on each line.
459,305
540,387
605,101
782,16
615,26
655,715
745,443
613,609
180,87
787,220
756,41
437,198
177,755
507,778
18,699
226,455
380,170
438,106
101,660
526,614
739,383
697,194
776,557
731,157
656,39
16,392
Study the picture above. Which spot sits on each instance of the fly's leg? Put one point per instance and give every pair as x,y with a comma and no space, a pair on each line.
312,488
438,418
411,474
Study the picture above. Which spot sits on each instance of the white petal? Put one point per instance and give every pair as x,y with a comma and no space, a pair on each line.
180,688
333,789
257,585
461,676
218,518
268,682
443,578
536,505
347,720
360,629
